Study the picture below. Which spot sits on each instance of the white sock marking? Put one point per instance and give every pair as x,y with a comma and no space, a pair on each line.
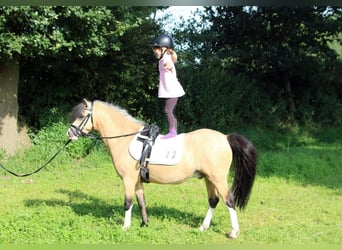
233,219
207,220
128,218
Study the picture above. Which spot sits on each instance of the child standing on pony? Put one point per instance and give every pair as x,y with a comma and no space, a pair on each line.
169,87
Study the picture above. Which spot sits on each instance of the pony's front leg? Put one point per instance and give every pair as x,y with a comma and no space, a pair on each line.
129,187
128,212
139,191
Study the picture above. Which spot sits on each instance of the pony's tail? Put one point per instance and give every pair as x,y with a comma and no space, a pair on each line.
244,161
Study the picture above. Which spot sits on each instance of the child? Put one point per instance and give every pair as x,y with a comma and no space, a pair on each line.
169,87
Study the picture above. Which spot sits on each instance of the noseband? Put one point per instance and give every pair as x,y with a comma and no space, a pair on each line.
78,130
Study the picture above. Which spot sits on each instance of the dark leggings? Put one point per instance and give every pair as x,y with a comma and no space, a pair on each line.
170,105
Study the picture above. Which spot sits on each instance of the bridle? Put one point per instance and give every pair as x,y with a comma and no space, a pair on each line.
78,130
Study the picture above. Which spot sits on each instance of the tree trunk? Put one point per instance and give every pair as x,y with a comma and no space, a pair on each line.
9,136
290,100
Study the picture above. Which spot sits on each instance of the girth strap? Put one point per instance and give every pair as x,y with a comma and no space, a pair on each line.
148,139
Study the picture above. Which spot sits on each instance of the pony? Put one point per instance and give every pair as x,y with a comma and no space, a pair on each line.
207,154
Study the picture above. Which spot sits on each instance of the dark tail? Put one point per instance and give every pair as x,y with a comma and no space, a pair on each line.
244,161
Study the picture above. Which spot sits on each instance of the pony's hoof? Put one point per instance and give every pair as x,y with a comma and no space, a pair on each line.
143,224
233,234
125,228
203,228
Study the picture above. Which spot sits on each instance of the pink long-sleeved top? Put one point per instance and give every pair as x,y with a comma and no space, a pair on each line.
169,86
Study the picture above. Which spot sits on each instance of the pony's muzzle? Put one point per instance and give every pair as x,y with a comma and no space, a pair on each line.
72,135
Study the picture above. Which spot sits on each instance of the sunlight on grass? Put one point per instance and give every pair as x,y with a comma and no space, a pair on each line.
85,205
296,199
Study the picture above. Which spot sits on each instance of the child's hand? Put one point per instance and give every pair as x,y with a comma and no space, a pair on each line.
168,66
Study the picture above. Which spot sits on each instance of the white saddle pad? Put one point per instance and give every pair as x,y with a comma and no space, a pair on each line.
164,151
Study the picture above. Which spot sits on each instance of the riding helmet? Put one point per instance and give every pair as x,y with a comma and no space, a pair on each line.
163,41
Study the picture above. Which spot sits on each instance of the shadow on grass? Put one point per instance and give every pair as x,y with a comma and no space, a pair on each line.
84,204
79,202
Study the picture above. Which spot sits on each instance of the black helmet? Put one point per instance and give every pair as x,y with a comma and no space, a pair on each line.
163,41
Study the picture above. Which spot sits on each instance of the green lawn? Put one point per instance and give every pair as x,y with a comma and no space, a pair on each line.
296,199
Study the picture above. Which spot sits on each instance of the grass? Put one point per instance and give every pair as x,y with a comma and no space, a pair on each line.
296,199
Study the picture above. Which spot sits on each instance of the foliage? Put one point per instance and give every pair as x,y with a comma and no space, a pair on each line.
287,51
70,52
230,101
241,67
63,31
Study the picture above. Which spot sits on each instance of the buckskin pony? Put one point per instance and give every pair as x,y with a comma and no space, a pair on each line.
207,154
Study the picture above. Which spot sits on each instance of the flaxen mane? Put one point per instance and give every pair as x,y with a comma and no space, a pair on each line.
77,112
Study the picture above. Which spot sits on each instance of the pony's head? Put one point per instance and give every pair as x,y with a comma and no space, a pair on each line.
82,120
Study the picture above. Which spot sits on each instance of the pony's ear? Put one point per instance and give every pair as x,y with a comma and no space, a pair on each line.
86,102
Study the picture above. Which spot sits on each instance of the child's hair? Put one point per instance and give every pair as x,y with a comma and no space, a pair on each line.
173,55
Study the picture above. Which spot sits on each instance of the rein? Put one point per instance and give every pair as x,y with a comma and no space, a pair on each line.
40,168
78,132
95,137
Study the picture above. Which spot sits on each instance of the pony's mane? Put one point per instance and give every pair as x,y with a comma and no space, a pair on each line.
77,112
124,112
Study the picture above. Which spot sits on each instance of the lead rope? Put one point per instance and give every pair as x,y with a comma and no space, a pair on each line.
40,168
94,137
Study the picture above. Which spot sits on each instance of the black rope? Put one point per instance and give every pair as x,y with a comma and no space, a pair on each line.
40,168
95,137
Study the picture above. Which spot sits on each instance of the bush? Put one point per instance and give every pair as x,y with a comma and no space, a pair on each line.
46,143
52,137
215,99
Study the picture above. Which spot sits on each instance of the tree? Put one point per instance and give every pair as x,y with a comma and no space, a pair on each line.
9,76
286,50
57,37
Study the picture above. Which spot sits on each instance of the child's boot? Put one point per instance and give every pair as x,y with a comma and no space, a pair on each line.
172,133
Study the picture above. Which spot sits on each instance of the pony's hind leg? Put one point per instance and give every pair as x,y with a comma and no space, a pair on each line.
228,197
213,199
233,216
